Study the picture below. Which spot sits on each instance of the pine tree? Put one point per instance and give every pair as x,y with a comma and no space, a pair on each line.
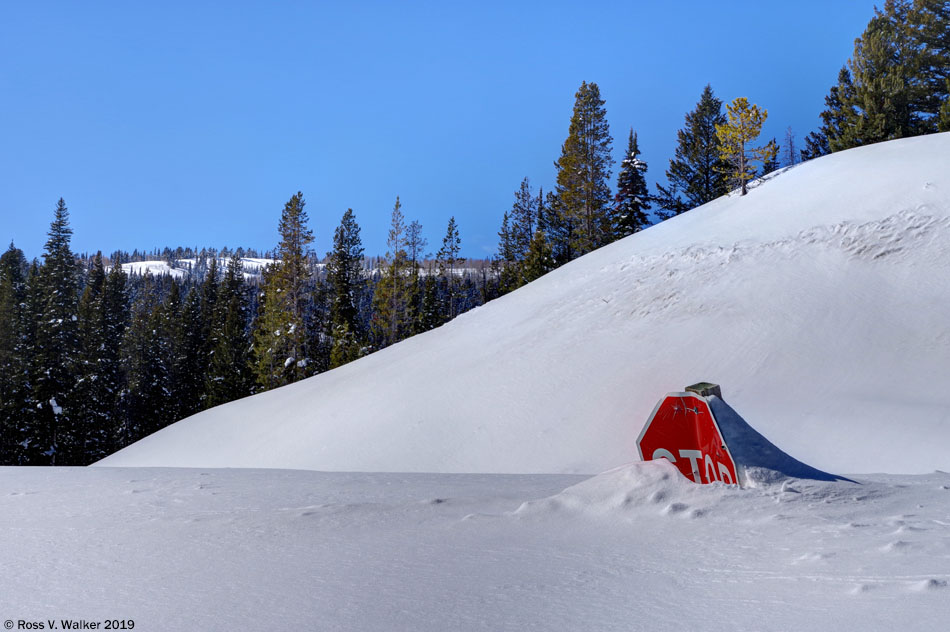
790,155
696,171
415,247
557,227
230,373
189,355
834,119
29,425
13,379
448,259
943,120
929,22
816,145
895,81
391,298
281,335
146,353
583,173
539,260
506,258
186,375
95,405
344,276
116,315
430,310
210,316
744,122
514,239
524,215
633,197
882,104
770,162
57,351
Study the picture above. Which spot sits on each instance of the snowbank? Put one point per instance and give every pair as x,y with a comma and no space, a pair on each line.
654,486
819,301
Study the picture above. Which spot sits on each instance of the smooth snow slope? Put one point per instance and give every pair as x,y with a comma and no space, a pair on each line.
820,302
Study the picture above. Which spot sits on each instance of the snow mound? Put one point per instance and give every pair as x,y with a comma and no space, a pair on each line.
760,462
819,301
655,487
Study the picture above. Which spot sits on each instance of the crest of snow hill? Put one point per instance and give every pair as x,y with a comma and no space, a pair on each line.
820,300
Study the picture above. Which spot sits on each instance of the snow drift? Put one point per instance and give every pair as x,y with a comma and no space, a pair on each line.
819,301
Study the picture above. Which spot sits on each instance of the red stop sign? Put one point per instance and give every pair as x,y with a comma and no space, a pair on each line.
683,430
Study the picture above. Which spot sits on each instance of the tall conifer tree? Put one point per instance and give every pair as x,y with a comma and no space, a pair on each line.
633,197
230,373
147,355
112,375
415,251
695,174
583,173
93,396
834,118
13,367
190,355
56,356
448,259
281,337
886,92
344,276
514,239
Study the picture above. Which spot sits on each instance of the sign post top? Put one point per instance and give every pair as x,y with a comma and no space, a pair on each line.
705,389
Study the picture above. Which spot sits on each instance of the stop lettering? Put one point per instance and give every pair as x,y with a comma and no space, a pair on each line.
683,430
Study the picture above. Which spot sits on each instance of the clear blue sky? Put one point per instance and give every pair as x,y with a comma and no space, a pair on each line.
191,123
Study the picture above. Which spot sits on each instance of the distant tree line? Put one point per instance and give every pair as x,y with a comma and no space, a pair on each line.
93,359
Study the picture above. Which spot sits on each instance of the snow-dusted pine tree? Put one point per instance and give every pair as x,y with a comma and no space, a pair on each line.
230,373
13,366
55,358
345,280
633,198
281,339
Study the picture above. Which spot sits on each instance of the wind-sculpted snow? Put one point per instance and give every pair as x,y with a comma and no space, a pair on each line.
626,491
819,302
636,548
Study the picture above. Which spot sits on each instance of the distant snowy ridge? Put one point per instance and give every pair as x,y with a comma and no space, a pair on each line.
819,302
251,267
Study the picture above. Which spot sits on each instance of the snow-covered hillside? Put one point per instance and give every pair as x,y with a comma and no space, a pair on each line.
819,302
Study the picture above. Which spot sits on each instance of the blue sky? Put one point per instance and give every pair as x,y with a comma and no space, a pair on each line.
192,123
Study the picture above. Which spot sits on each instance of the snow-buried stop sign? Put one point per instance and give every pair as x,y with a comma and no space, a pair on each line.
683,430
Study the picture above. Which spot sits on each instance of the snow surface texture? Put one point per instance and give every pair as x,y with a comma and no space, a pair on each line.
819,302
636,548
